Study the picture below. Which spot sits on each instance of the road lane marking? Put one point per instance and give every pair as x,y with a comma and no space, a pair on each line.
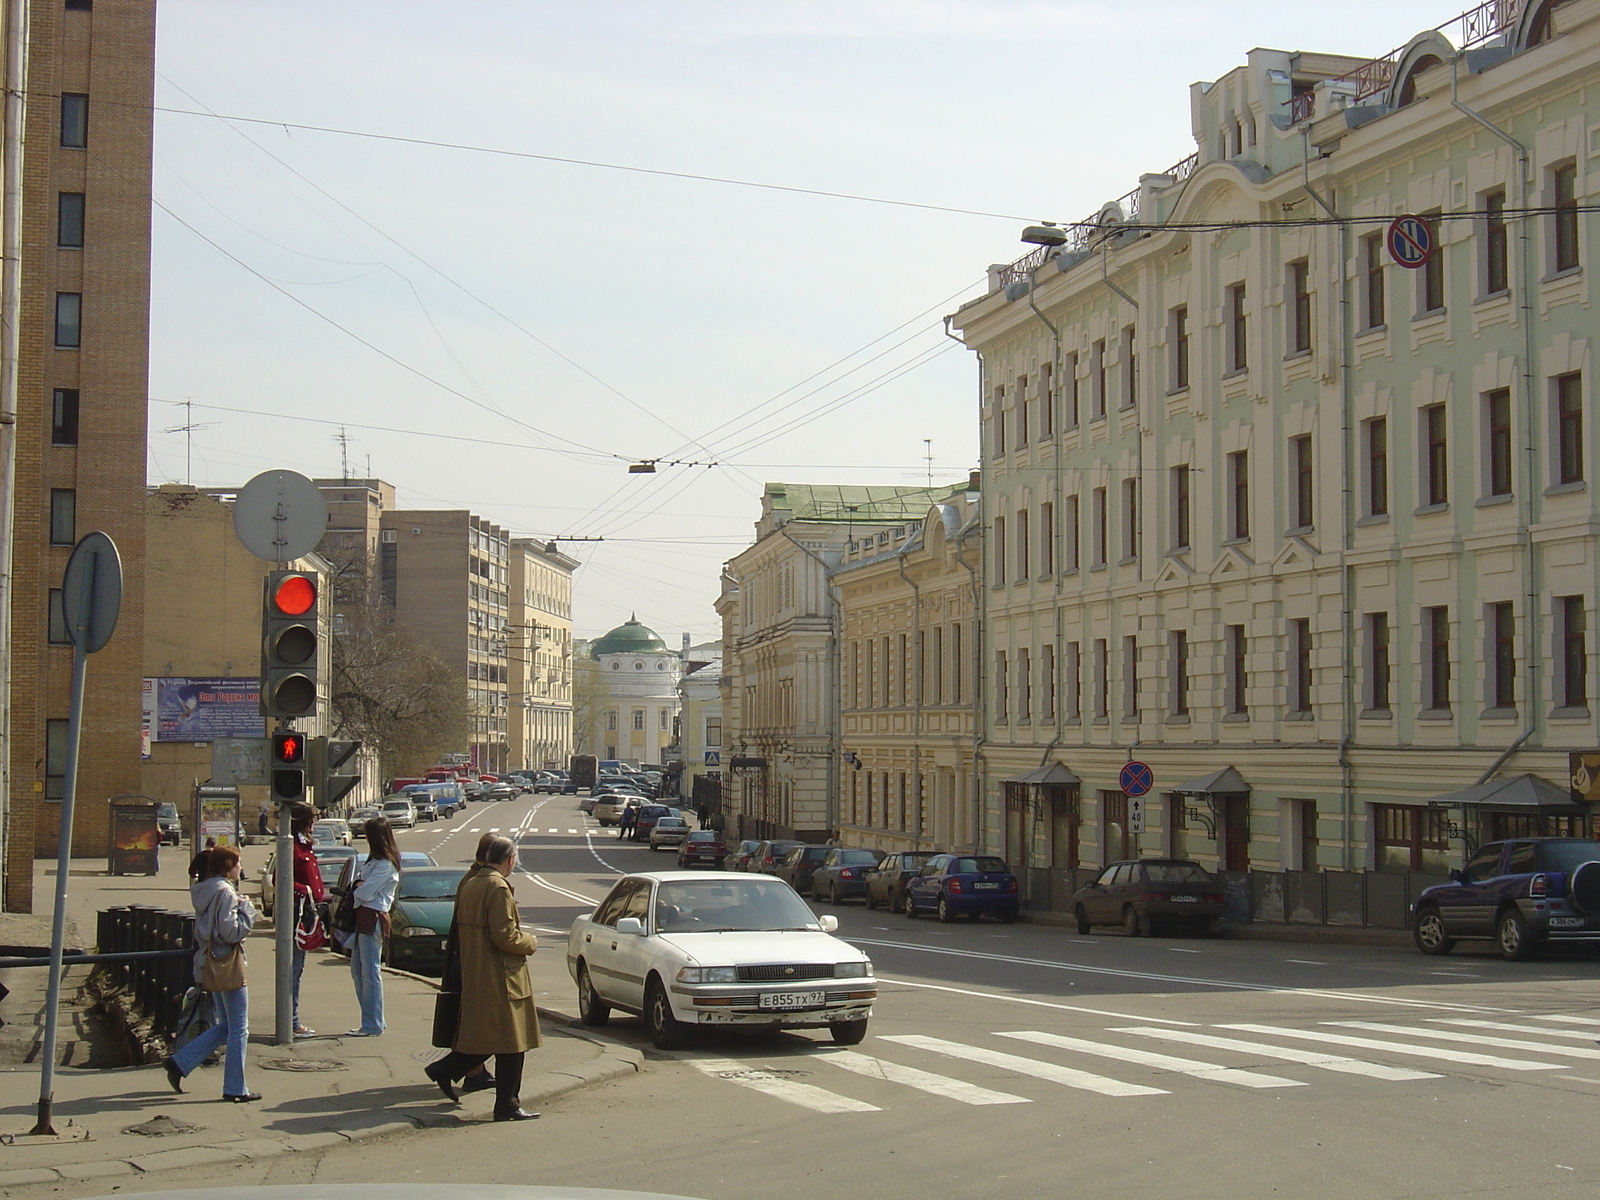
1566,1020
1581,1034
1360,1043
1576,1078
1474,1039
1182,950
1161,1062
589,838
1306,962
1098,1012
1066,1076
1194,981
561,891
1310,1058
792,1091
923,1081
476,829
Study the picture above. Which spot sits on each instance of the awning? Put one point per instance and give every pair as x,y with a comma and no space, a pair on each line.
1226,782
1523,793
1054,773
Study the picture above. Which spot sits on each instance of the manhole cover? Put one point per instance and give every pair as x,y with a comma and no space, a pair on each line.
760,1073
302,1064
163,1126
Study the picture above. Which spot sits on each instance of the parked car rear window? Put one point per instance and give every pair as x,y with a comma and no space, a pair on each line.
976,866
814,854
703,835
1175,872
851,857
1568,856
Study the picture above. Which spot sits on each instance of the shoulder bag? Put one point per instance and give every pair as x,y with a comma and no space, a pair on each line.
447,1004
343,914
309,931
224,972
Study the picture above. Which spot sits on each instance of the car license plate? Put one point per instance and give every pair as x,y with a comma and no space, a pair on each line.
1567,922
987,887
792,999
1185,899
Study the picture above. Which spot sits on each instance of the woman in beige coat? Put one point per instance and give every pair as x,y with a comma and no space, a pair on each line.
498,1015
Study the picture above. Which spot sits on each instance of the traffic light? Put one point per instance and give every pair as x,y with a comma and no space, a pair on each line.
288,766
327,756
289,648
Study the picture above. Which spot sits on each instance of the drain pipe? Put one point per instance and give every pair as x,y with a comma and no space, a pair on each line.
1055,518
916,695
976,683
1530,503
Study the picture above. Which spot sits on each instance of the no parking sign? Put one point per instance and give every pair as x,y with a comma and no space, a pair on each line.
1411,241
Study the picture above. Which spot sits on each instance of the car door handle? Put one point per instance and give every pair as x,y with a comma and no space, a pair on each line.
613,945
588,937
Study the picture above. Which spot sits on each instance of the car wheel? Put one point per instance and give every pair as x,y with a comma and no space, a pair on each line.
848,1033
870,901
833,895
1428,932
591,1009
909,908
1009,917
666,1031
1511,936
1082,917
946,914
1132,922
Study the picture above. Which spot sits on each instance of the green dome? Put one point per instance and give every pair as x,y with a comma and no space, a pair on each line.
631,638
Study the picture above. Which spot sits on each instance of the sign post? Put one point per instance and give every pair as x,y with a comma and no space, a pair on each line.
91,598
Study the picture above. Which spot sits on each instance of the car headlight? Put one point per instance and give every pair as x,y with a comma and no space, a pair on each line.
419,931
853,970
708,974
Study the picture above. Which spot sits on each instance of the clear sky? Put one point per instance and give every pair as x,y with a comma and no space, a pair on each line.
504,333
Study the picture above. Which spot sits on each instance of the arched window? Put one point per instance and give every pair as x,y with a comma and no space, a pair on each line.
1540,26
1408,89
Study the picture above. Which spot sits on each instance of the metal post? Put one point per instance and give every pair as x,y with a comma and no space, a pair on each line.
283,930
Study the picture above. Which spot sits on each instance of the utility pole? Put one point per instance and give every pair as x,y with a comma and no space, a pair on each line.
188,430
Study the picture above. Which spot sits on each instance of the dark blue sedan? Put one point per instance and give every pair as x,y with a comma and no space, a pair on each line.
973,884
1519,893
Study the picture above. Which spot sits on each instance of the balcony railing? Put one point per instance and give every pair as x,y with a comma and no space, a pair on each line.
1477,25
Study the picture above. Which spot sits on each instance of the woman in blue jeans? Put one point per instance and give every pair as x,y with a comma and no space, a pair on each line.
222,919
377,883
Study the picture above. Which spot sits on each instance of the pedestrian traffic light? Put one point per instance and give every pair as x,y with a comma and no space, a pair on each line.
288,766
327,756
289,645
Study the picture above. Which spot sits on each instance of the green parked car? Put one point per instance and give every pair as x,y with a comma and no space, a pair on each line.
421,918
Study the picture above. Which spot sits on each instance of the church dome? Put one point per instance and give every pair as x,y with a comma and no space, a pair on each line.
629,638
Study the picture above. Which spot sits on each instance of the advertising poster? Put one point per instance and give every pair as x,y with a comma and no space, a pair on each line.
200,710
219,820
135,839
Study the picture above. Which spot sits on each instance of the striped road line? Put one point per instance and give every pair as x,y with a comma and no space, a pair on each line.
1464,1057
1310,1058
923,1081
791,1091
1161,1062
1067,1076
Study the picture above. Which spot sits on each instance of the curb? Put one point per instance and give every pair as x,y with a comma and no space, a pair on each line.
1268,931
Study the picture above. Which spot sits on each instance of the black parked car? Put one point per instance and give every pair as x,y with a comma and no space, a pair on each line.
799,865
843,873
1520,893
886,884
1143,893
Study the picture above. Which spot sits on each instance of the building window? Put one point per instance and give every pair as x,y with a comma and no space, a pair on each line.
1072,391
1378,672
611,721
1023,546
1238,332
1574,652
1435,465
63,516
1569,429
1178,646
638,719
1436,631
1497,420
1022,411
1097,517
999,550
1564,220
1074,681
957,664
713,731
1503,656
1432,271
1300,455
69,220
1047,682
56,624
1179,334
1377,439
1372,259
74,120
1130,518
64,417
1300,311
1071,537
1130,677
1239,494
1047,400
1097,390
1496,274
1238,673
1180,508
1300,679
1130,368
999,422
1102,678
1410,837
1002,688
1047,539
69,320
1024,685
55,759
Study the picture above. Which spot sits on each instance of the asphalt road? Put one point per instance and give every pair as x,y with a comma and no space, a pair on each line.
1023,1060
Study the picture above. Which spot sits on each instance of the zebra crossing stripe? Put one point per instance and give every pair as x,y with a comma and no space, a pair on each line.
768,1083
1162,1062
1464,1057
923,1081
1310,1058
1581,1034
1066,1076
1477,1039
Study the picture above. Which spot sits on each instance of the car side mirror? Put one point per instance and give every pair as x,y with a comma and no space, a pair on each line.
1459,877
630,925
829,923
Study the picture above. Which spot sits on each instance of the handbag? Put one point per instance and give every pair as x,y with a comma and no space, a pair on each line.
225,974
309,931
344,912
447,1004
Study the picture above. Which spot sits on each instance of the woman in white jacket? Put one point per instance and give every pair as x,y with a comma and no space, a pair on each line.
376,885
222,920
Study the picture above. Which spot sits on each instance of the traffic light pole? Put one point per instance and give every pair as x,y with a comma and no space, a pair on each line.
283,922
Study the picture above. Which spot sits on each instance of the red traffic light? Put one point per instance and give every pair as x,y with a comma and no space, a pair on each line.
295,595
288,748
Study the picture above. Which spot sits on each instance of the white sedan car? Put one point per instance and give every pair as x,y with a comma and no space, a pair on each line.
686,949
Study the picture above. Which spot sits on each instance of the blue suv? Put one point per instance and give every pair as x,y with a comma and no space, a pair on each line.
1518,893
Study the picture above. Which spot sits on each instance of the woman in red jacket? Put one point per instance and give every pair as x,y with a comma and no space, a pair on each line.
308,883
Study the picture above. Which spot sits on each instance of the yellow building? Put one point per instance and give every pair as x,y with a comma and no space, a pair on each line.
540,655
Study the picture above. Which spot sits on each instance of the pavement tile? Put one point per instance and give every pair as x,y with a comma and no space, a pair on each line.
381,1130
306,1142
260,1147
191,1156
28,1175
95,1170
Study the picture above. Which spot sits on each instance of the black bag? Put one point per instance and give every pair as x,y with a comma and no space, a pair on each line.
447,1004
343,912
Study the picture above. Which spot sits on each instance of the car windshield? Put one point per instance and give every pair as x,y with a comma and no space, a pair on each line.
714,906
334,853
850,858
416,858
670,823
330,869
166,810
429,885
1176,872
402,806
1568,856
978,866
703,835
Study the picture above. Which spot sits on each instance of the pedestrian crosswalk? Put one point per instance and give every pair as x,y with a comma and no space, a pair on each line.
831,1079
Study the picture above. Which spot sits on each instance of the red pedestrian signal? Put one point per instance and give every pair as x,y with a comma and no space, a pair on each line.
288,749
288,766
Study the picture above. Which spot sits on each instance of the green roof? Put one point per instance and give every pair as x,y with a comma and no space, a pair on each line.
628,638
850,503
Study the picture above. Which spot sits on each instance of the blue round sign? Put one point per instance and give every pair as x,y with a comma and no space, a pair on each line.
1136,778
1410,240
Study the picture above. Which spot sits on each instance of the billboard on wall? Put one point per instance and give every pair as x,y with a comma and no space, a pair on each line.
201,710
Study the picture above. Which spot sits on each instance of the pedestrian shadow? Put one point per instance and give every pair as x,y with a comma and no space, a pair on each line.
358,1109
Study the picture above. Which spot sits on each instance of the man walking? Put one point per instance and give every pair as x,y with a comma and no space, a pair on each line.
625,823
265,816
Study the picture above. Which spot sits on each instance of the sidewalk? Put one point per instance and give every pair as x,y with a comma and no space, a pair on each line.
323,1091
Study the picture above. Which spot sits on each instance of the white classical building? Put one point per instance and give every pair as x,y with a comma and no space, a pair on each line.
630,706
